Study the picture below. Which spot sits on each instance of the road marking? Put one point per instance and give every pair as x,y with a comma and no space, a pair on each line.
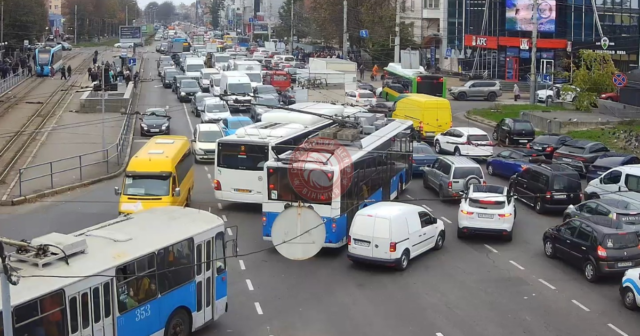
209,175
546,284
249,284
220,206
186,113
258,308
580,305
241,265
516,264
439,334
446,220
411,197
229,232
206,168
491,248
617,330
224,218
426,207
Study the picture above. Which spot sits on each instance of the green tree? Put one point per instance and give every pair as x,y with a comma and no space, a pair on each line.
216,7
301,24
24,19
592,73
165,12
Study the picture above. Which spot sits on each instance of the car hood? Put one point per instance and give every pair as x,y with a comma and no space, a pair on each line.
456,88
206,145
215,115
189,90
544,92
205,81
154,122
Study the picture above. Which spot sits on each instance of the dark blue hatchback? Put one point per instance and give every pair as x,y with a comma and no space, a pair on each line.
423,155
608,161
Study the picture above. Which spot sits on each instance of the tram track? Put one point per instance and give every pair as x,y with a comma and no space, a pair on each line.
13,149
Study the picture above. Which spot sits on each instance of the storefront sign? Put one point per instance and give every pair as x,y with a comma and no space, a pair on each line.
487,42
605,43
524,44
491,42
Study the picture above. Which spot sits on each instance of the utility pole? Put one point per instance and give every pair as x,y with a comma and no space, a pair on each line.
291,51
75,26
534,39
126,15
104,94
396,54
7,318
345,33
2,22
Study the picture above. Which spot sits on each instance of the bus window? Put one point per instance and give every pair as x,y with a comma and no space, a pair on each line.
208,255
73,315
138,284
44,316
84,311
199,259
95,298
221,262
106,292
171,265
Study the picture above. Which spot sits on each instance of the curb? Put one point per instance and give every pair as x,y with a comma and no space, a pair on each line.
480,120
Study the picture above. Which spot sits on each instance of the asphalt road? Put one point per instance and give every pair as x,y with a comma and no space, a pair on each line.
474,287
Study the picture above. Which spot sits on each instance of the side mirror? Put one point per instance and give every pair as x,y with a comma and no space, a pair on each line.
193,140
176,192
117,191
429,166
140,119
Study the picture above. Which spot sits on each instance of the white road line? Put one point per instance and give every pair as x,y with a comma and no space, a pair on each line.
258,308
546,284
224,218
411,197
220,206
229,232
186,113
426,207
491,248
439,334
516,264
241,265
617,330
206,168
446,220
249,284
580,305
209,176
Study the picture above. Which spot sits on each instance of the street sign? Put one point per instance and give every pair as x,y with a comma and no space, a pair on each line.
26,42
448,53
123,52
231,22
546,78
569,46
620,79
252,20
364,33
132,62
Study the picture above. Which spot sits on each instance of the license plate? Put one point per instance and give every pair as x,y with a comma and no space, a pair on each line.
559,196
565,159
537,148
154,131
488,216
625,264
246,191
361,243
523,140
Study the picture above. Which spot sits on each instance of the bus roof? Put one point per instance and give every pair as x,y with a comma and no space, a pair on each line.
110,244
397,69
263,132
164,150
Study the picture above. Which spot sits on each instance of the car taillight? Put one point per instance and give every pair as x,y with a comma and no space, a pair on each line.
264,218
549,149
528,146
602,253
556,154
548,195
217,185
450,185
484,182
413,161
504,215
348,240
581,159
392,247
465,212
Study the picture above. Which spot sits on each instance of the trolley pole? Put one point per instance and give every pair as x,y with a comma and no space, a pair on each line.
75,26
345,33
5,287
292,5
534,40
2,22
396,53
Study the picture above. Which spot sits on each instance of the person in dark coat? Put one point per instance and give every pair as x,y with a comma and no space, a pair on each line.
69,70
29,70
63,73
89,71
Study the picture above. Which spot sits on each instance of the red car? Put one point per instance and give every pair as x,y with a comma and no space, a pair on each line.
612,96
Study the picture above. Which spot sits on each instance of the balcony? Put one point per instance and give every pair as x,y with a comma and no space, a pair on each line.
431,13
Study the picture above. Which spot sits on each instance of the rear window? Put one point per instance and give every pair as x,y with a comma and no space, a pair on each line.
461,173
366,95
566,183
422,150
629,219
621,241
546,139
522,126
486,204
572,149
478,137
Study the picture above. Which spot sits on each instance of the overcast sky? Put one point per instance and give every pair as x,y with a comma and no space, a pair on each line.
143,3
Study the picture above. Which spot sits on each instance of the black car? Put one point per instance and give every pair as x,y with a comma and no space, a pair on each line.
514,132
288,97
155,122
176,82
579,154
385,108
547,187
167,80
367,87
187,88
598,245
547,144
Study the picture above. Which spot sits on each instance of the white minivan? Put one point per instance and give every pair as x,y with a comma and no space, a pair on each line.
236,87
392,233
617,183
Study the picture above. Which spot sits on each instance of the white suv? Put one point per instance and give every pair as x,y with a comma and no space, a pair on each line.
487,209
618,183
467,141
361,97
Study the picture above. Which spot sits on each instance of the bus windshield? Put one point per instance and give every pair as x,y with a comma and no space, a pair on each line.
281,188
242,157
150,185
43,57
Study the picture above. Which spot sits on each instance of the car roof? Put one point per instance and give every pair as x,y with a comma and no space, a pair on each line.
580,143
630,168
524,151
605,224
388,209
553,167
361,91
618,204
237,118
518,120
200,94
470,130
208,127
213,100
460,161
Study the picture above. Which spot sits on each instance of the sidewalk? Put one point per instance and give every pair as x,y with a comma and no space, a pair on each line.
71,135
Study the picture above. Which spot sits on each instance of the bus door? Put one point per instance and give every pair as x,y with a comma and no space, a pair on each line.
220,275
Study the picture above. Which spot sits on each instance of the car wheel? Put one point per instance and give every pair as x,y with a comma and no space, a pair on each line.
439,241
461,234
574,99
491,96
404,261
456,151
424,182
548,100
490,170
509,236
593,196
590,271
494,135
539,207
461,96
438,147
549,249
441,195
629,299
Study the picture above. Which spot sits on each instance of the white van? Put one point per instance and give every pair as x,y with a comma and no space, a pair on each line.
205,78
286,59
192,67
617,183
392,233
236,86
246,66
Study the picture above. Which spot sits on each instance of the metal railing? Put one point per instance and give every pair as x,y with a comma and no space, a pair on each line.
112,157
12,81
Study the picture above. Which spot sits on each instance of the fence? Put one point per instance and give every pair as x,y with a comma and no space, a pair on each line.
12,81
112,157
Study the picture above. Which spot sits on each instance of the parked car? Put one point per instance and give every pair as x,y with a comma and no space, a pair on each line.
628,213
611,96
514,132
265,90
385,108
204,140
487,209
230,125
598,245
450,176
557,93
464,141
360,97
547,144
559,184
197,103
188,89
392,233
123,45
288,97
155,121
617,183
579,154
485,89
608,161
423,155
511,161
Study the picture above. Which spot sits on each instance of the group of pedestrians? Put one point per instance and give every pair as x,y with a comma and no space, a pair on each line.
11,66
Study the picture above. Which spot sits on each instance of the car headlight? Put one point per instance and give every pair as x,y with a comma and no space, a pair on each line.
143,126
199,151
165,125
183,94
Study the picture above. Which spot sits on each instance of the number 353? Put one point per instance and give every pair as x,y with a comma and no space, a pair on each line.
143,312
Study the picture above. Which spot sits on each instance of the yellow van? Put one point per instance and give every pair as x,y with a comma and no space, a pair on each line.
430,115
160,174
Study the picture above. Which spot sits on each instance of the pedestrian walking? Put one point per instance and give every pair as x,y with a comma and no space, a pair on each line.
516,92
361,69
63,73
29,70
89,71
69,70
375,72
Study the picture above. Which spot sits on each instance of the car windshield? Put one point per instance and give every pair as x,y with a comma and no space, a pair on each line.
169,74
547,139
239,88
366,95
159,112
522,126
629,218
255,77
236,124
461,173
422,150
216,81
566,183
189,84
572,149
271,101
222,59
216,107
282,189
622,240
266,89
152,118
209,136
152,185
194,67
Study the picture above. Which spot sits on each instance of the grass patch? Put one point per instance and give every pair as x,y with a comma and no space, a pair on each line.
500,111
102,43
619,138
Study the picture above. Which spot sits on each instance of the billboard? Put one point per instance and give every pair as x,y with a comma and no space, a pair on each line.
130,34
520,16
260,28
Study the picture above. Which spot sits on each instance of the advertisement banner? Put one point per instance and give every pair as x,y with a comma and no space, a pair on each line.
130,34
519,16
260,28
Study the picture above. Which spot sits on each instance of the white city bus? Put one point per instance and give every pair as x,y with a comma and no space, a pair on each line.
131,276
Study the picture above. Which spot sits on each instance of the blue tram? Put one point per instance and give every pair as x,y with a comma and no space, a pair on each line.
47,58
